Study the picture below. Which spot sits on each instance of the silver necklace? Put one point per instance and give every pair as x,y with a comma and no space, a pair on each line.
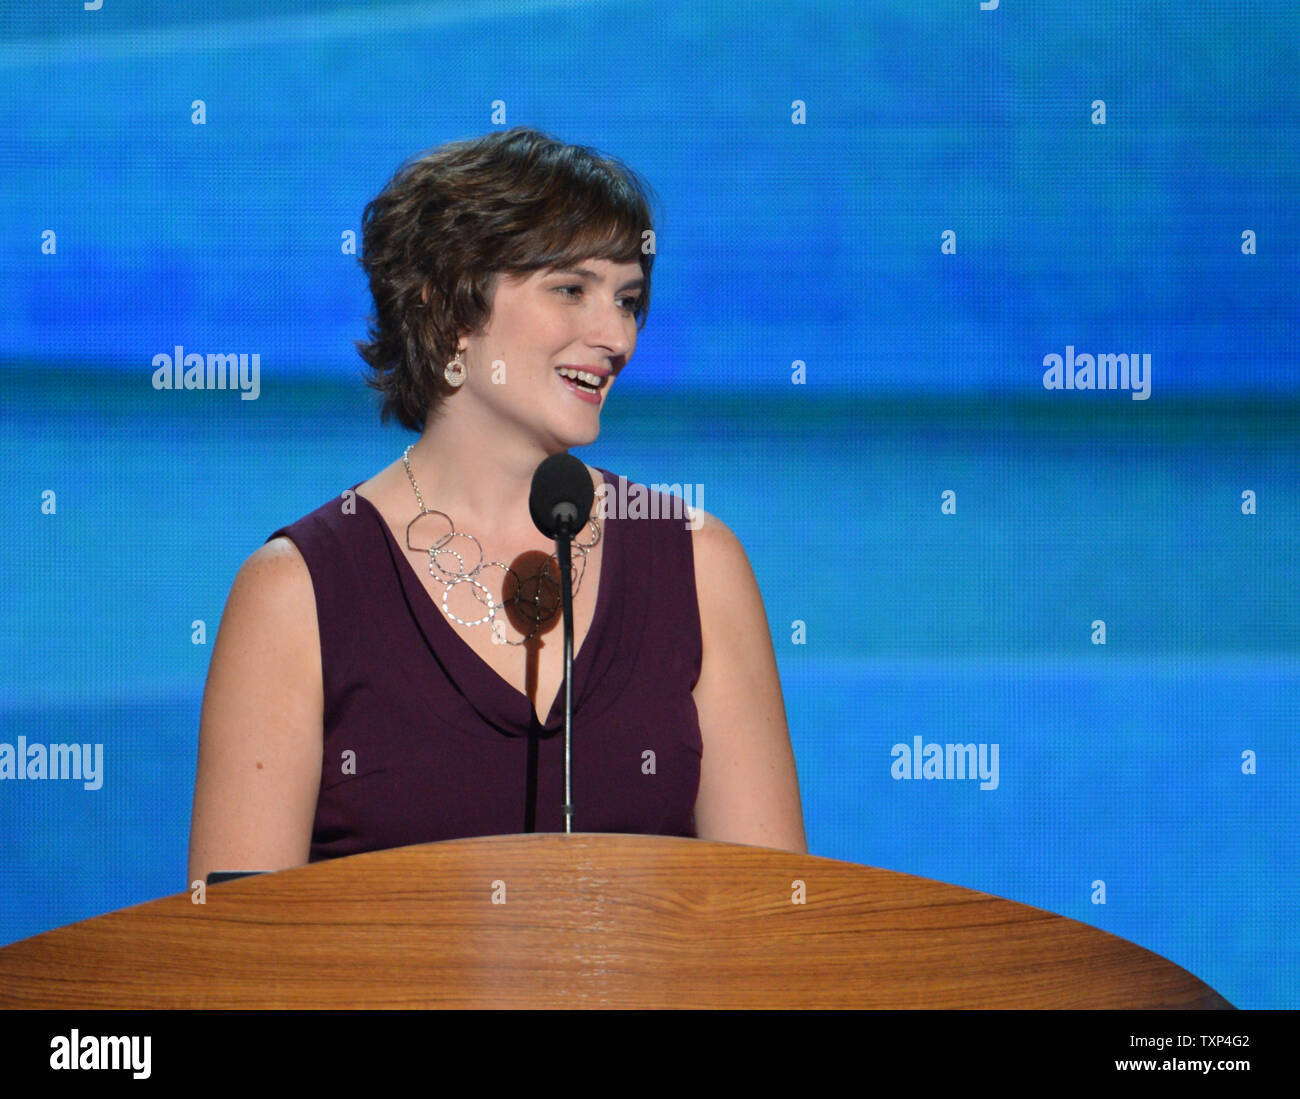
536,598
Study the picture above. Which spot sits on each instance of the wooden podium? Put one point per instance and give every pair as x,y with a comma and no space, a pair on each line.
588,920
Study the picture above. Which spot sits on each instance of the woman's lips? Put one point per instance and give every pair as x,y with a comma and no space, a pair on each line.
591,396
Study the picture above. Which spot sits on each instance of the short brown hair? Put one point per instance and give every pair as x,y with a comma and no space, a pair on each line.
453,219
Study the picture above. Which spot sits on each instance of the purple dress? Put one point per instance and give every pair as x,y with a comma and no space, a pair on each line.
424,741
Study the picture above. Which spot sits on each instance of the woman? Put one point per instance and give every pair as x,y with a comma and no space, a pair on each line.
388,669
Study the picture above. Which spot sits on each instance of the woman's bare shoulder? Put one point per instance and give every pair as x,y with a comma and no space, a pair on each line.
275,562
274,582
717,549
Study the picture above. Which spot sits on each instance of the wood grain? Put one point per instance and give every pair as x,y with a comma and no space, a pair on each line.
589,920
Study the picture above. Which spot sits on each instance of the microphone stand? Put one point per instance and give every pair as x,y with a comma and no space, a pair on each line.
563,539
560,503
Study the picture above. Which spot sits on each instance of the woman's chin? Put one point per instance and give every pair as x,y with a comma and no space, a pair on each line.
586,438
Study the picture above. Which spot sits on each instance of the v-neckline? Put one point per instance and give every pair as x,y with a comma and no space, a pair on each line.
470,663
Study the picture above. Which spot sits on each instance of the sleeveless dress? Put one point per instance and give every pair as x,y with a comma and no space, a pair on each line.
424,741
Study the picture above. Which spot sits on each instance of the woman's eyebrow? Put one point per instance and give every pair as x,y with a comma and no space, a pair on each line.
591,276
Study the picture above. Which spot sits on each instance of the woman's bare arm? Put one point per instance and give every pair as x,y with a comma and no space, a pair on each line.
260,732
749,790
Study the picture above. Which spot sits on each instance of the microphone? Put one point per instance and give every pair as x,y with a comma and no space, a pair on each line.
561,496
560,504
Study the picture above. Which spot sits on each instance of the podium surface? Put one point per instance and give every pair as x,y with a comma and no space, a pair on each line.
589,920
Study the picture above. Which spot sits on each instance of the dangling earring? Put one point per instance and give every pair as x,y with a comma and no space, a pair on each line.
455,372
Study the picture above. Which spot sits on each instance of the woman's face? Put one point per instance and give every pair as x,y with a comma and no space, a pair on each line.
546,322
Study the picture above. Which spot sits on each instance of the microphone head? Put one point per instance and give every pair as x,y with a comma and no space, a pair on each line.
561,496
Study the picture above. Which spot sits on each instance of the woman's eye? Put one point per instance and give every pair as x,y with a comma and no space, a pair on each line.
629,303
